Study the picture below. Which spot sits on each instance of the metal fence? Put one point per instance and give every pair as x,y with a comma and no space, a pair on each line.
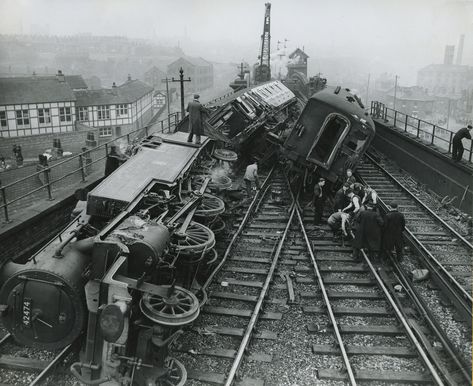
429,132
71,171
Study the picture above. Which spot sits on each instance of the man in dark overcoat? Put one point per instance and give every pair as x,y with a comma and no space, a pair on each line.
318,199
196,111
341,199
394,225
368,233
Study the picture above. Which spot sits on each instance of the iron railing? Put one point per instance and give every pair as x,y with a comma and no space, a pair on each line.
429,132
71,170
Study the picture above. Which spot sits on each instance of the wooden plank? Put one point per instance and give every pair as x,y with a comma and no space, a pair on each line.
221,330
244,283
244,298
402,377
241,313
332,248
251,259
349,311
336,281
290,289
403,352
267,226
219,379
358,329
253,271
343,295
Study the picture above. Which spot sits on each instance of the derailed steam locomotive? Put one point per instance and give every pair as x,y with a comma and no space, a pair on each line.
128,270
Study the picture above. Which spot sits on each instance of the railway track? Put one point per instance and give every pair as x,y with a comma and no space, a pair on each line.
289,297
444,252
26,366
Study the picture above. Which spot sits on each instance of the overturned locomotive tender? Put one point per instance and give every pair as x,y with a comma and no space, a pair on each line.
128,271
331,135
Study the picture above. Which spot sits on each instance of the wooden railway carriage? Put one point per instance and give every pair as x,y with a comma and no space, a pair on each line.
331,134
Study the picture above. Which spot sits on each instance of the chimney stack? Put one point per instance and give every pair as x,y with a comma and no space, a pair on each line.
114,85
460,50
129,78
449,53
60,77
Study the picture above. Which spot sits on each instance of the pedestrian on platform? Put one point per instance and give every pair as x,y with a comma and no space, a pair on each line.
339,221
195,110
318,200
349,178
368,233
251,175
457,145
394,225
341,199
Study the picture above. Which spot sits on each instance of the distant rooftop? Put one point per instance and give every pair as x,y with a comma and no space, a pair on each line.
34,89
129,92
196,61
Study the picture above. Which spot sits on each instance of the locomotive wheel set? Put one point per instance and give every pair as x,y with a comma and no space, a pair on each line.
128,271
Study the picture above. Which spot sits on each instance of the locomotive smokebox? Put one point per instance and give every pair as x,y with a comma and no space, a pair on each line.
43,301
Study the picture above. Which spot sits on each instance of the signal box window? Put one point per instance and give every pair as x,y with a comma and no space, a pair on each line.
329,139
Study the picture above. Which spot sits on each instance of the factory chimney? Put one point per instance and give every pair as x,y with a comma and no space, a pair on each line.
449,52
460,50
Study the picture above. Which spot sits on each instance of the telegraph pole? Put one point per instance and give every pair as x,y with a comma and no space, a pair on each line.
368,89
181,80
395,91
168,100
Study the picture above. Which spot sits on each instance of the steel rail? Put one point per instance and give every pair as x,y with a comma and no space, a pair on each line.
256,311
462,300
430,320
404,322
418,201
248,213
333,320
46,372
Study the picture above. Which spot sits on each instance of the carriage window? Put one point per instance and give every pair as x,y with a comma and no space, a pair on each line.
328,141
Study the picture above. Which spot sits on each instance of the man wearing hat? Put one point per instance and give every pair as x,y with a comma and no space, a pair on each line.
195,110
457,149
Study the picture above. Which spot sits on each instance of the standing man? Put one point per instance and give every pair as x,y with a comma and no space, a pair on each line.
341,199
251,175
457,149
319,200
394,224
368,233
196,110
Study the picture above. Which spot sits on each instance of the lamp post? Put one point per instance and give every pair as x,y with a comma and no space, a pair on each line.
395,92
181,80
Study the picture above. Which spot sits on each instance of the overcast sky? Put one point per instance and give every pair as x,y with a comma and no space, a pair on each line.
396,35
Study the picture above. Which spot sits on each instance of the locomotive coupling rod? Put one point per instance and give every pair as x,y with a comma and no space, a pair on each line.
191,204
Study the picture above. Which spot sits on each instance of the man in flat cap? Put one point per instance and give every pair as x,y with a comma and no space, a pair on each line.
196,110
457,149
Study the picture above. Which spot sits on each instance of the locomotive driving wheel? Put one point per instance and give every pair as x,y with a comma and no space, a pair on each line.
176,308
196,239
210,206
225,155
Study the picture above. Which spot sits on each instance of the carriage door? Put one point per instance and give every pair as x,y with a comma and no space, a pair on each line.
329,139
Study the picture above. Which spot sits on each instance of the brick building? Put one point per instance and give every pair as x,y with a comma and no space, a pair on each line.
199,70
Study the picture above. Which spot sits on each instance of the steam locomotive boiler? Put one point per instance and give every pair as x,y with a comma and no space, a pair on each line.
127,271
331,134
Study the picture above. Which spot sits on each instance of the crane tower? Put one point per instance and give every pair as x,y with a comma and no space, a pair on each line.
263,68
